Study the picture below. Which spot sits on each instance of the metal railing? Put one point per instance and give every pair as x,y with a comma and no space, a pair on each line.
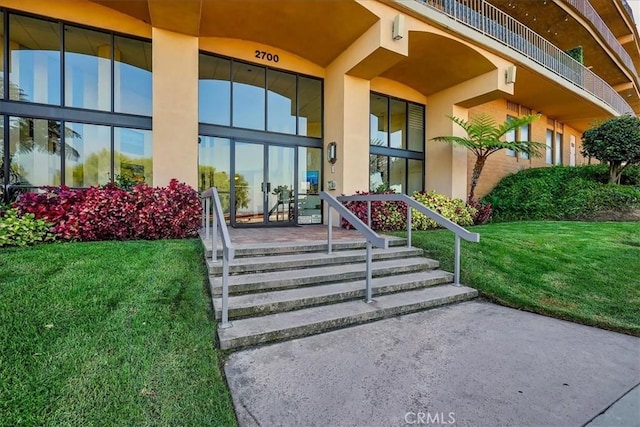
460,232
372,238
629,11
586,9
494,23
213,225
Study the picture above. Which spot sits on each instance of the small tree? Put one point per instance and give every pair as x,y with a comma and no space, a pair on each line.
483,139
615,141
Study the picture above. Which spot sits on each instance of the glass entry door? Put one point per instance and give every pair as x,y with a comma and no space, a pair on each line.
264,184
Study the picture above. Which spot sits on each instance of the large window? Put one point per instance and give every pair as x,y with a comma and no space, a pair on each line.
549,149
557,150
396,131
53,66
249,96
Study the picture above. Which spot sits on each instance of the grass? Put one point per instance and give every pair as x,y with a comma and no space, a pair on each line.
108,333
584,272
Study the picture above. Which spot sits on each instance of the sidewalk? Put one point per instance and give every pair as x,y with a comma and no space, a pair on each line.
469,364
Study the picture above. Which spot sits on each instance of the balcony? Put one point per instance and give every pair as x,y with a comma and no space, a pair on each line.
494,23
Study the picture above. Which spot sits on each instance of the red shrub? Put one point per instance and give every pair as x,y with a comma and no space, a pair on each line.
385,216
483,213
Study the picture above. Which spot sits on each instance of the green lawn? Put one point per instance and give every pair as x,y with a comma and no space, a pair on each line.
584,272
108,334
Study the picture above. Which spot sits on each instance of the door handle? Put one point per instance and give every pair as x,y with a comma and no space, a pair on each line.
268,187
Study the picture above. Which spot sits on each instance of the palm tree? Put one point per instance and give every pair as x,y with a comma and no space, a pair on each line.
484,138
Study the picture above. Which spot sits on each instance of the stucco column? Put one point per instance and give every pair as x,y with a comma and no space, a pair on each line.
175,108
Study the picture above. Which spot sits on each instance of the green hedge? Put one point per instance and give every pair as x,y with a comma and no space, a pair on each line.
25,230
562,193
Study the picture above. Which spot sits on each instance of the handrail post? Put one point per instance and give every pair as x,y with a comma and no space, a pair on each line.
214,238
207,208
368,298
369,213
225,291
203,211
456,277
329,231
408,225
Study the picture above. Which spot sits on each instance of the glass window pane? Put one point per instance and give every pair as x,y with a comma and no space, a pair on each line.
132,80
34,56
88,155
416,127
87,69
558,150
1,56
524,136
214,90
378,173
309,107
398,124
3,180
379,114
310,180
281,102
132,157
214,167
34,151
416,176
549,143
398,175
510,136
248,96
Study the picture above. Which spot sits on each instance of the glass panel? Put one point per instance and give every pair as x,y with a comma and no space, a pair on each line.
2,175
281,179
132,80
398,123
214,91
34,55
510,136
249,178
248,96
524,136
378,175
398,175
309,107
34,151
133,155
1,60
416,127
281,102
415,177
87,69
310,179
549,143
558,150
214,167
88,155
378,118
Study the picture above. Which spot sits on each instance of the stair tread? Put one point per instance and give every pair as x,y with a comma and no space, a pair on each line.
257,329
309,292
312,245
275,276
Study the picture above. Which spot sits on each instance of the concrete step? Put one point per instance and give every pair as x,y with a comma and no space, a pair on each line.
279,301
278,280
309,259
269,249
308,321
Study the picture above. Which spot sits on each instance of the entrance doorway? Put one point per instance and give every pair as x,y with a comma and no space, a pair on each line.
264,187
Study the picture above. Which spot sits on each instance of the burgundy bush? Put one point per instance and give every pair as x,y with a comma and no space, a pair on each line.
111,213
483,214
385,216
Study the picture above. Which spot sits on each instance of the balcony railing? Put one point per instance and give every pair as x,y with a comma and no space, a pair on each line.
494,23
629,11
586,10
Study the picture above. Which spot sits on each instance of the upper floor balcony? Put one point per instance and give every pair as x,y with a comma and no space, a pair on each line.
492,22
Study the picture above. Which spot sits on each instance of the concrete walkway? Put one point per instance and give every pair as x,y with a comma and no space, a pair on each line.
469,364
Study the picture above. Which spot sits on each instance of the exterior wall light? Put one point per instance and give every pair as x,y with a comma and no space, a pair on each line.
398,27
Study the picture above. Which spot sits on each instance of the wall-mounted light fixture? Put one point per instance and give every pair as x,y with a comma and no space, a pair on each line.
398,27
332,154
510,74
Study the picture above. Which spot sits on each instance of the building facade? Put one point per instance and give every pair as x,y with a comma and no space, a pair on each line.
274,101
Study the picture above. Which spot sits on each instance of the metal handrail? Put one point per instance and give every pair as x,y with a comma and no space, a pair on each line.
492,22
460,232
629,11
209,197
371,236
586,9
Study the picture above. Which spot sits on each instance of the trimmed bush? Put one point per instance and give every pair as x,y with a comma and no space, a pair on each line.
456,210
25,230
112,213
560,193
385,216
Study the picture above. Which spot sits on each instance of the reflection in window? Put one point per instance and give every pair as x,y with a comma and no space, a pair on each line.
132,79
87,69
3,180
309,107
214,167
378,173
398,123
397,174
310,178
248,96
281,102
378,120
91,164
415,176
214,90
549,150
132,155
415,124
35,151
557,150
1,63
510,136
524,136
34,60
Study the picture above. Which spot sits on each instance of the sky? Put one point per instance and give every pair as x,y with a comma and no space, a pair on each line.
635,6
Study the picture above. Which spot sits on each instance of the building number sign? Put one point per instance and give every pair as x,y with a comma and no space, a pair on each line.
261,54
